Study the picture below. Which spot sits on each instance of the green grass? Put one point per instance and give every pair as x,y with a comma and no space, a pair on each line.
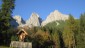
5,47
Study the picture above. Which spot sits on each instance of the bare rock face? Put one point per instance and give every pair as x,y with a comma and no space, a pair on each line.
14,23
56,15
17,21
34,20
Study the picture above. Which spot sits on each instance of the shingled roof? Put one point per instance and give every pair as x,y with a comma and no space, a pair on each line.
22,30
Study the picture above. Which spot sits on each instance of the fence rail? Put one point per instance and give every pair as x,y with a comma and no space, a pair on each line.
19,44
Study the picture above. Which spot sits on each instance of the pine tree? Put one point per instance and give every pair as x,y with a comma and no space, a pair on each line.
56,39
5,17
68,33
5,14
81,34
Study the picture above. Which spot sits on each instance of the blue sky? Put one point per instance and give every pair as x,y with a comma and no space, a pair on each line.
24,8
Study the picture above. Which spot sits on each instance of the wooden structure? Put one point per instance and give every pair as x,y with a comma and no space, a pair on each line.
19,44
22,34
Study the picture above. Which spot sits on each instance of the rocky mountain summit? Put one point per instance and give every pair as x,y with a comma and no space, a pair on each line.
17,21
34,20
14,23
56,15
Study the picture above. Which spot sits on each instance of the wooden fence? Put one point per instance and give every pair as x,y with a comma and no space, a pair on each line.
19,44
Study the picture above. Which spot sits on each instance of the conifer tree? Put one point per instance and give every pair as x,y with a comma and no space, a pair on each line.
5,17
55,38
81,34
68,33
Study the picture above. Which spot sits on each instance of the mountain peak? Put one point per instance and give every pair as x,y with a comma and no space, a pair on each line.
17,17
55,15
56,11
34,14
34,20
19,20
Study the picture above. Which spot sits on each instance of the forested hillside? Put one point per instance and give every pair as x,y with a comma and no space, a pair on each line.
58,34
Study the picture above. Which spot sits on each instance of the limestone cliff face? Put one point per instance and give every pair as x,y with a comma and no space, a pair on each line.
17,21
56,15
14,23
34,20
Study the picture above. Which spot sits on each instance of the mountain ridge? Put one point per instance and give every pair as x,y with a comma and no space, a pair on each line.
35,19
